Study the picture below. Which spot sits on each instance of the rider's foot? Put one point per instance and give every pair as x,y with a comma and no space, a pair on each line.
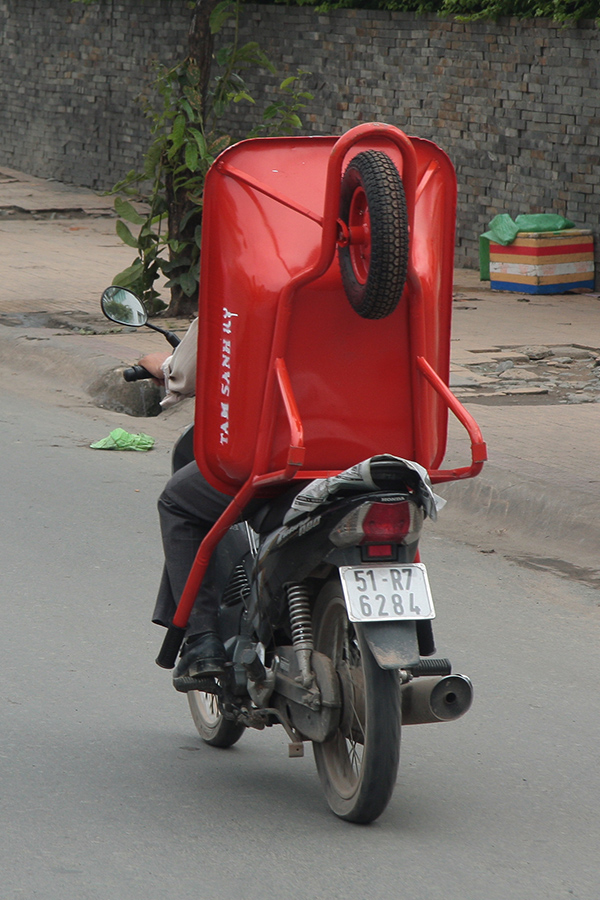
203,656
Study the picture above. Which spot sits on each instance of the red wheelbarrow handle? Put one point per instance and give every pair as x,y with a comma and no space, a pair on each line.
478,445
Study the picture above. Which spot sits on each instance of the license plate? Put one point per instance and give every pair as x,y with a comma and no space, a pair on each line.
387,593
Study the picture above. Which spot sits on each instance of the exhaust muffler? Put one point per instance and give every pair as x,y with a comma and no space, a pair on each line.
442,699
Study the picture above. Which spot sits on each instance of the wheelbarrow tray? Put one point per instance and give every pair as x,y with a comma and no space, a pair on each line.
292,382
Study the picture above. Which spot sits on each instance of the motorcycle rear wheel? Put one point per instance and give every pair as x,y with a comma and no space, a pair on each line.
358,766
212,727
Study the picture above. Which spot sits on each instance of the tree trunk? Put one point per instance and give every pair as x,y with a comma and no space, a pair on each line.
200,53
201,41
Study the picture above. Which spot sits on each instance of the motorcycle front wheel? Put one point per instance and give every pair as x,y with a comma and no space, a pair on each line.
213,727
358,766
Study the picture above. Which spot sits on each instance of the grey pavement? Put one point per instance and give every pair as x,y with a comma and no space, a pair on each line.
526,367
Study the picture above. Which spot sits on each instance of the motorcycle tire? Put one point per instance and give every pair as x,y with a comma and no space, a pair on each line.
212,727
358,766
374,262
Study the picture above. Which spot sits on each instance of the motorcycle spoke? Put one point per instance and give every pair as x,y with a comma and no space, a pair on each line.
213,728
354,756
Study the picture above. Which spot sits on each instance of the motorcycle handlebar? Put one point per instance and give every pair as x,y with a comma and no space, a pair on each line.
136,373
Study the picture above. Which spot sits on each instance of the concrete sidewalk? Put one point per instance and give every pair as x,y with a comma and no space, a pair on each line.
526,367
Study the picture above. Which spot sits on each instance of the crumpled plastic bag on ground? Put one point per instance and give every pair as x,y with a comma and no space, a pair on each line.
119,439
503,230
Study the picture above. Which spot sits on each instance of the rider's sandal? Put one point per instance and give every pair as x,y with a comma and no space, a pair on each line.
202,660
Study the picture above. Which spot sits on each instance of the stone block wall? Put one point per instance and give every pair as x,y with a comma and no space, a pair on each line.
69,78
515,104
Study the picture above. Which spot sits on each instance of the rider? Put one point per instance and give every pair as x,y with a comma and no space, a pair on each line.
188,508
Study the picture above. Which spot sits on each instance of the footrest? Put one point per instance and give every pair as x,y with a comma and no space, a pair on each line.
432,667
186,683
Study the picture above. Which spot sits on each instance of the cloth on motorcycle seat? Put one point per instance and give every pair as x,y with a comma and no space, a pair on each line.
363,477
267,515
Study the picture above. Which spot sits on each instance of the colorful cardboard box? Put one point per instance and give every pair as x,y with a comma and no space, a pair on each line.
550,262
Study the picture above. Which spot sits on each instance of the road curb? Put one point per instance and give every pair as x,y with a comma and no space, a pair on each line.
498,510
69,358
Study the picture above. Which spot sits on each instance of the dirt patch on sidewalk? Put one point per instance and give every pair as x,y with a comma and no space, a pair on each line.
539,374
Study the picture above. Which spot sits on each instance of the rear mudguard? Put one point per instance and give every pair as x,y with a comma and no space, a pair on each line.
394,645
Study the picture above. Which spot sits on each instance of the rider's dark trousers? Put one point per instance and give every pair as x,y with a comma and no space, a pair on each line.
188,508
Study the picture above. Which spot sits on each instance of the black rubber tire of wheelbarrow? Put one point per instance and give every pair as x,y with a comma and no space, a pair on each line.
375,292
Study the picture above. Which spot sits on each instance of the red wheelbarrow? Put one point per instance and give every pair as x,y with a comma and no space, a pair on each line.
325,308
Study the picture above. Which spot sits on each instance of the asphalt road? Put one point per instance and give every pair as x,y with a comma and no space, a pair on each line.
107,792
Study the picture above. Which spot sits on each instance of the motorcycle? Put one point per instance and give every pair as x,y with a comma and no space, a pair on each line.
326,615
325,305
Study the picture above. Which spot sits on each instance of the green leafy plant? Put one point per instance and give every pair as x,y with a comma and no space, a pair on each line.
567,12
281,116
186,140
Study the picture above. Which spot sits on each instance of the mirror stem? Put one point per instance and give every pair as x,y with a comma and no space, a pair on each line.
170,336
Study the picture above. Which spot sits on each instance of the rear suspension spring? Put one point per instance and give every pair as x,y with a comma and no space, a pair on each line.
300,616
301,624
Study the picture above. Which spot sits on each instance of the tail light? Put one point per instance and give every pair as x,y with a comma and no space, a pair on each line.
379,523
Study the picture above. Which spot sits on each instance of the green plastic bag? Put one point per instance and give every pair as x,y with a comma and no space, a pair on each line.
503,230
119,439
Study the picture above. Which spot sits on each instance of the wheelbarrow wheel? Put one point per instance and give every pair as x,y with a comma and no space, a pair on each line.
374,257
